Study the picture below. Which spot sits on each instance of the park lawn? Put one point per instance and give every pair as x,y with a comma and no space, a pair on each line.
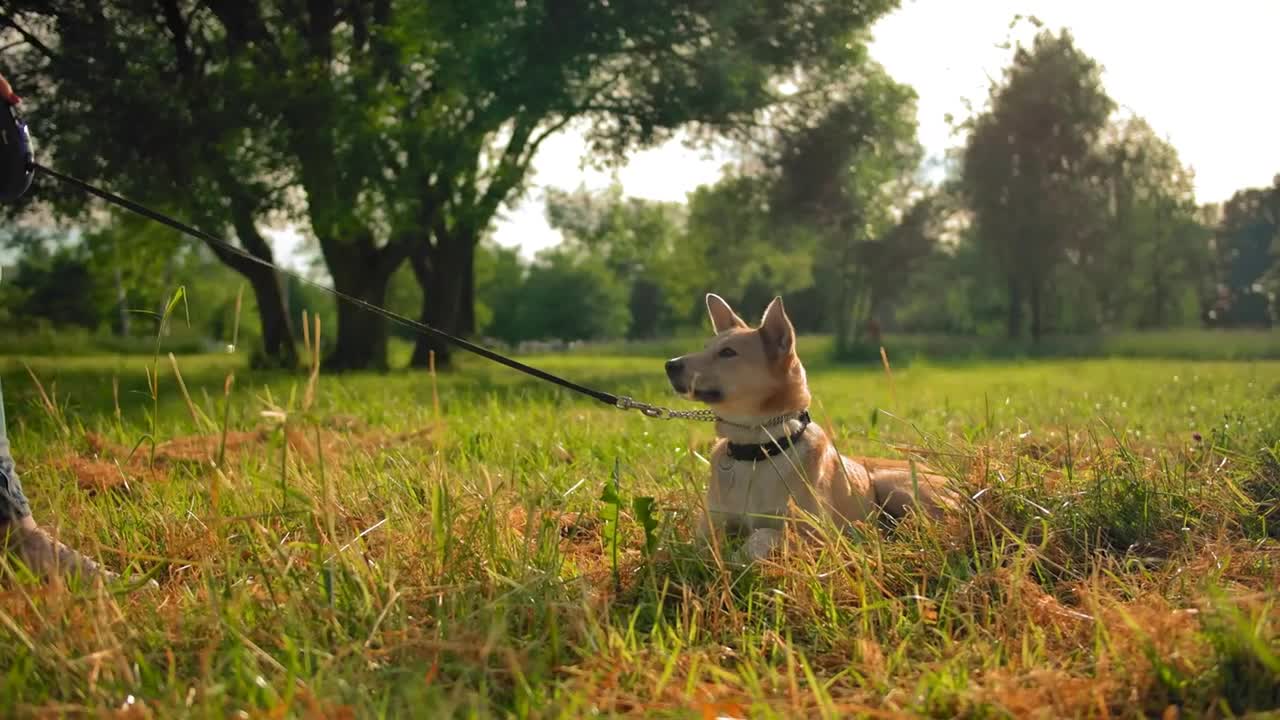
368,556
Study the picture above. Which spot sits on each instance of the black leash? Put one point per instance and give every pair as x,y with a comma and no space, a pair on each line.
18,167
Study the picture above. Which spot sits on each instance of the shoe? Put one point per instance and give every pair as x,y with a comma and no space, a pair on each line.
46,557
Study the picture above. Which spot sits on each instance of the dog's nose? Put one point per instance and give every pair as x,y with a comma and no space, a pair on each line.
674,366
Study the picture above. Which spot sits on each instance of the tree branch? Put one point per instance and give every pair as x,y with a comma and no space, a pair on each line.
177,27
244,26
31,39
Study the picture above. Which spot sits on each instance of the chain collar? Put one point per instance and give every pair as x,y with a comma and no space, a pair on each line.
757,452
662,413
771,422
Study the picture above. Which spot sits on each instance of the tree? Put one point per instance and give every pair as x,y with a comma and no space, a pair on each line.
633,73
122,276
841,172
1024,167
393,129
889,260
636,239
1149,245
731,248
100,80
55,285
956,290
1249,240
572,296
500,277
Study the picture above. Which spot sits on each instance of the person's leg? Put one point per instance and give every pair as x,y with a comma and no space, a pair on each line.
13,503
19,533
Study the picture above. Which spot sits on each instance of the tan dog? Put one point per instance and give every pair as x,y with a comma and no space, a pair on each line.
769,454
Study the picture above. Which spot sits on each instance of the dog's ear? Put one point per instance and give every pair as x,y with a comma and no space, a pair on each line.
722,316
776,329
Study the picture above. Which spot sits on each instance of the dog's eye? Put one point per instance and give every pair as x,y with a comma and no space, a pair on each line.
727,352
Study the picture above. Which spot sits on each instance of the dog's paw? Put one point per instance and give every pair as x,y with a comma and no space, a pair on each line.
761,544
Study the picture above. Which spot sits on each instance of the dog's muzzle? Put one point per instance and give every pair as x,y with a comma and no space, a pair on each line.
675,373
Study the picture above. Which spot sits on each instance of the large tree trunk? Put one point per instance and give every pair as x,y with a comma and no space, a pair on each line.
467,297
1037,309
442,272
122,302
1015,307
359,268
362,335
279,347
1159,258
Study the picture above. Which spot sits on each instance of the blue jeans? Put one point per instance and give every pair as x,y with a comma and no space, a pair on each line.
13,504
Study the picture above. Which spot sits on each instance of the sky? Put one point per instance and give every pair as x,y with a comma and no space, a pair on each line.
1202,74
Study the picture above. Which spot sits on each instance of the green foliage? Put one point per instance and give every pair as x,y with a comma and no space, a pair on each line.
565,294
500,278
117,280
394,128
404,296
56,287
1024,171
1249,253
571,296
1149,243
957,290
845,178
637,241
826,214
732,248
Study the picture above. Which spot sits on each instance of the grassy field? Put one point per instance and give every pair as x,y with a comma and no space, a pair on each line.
353,551
1184,344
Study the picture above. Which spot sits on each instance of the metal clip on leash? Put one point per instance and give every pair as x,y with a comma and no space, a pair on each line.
626,403
656,411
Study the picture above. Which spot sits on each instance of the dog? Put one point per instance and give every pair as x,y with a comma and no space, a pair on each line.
769,453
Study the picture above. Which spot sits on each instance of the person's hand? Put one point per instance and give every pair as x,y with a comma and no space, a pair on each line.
7,94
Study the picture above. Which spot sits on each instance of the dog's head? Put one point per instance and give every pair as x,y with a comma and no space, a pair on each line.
744,371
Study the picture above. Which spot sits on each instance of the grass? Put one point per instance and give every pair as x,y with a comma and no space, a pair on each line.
1181,344
45,341
525,553
1184,344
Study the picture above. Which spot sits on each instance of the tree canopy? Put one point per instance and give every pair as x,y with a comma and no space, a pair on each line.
393,133
390,130
1025,162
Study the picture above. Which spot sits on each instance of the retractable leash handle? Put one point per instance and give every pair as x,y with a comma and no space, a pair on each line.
17,160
